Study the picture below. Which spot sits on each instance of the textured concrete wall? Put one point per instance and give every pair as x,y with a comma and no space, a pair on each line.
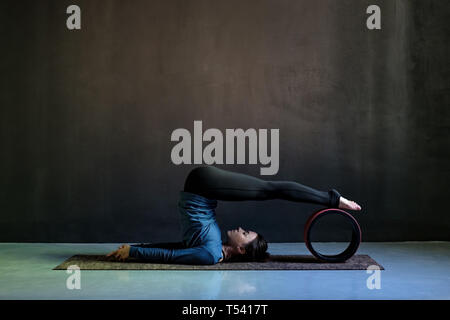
86,116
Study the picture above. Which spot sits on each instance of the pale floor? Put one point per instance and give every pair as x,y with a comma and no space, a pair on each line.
414,270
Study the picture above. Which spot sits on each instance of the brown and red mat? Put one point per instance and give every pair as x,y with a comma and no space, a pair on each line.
275,262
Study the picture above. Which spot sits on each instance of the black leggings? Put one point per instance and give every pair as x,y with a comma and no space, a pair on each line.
214,183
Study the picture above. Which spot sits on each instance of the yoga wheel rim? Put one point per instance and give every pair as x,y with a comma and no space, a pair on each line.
352,247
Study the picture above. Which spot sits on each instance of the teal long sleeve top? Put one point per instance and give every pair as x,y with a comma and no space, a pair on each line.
201,235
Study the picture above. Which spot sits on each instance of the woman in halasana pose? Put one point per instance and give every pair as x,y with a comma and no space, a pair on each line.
201,240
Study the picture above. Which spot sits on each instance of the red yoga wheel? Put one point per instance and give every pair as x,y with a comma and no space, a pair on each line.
352,247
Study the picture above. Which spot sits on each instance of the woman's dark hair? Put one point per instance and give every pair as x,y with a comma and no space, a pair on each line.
255,250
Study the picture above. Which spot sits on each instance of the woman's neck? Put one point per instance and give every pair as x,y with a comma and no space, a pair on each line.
227,251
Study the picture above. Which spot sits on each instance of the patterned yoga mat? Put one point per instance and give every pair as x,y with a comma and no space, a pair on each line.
275,262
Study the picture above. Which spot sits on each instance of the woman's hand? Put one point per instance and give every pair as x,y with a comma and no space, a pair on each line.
122,253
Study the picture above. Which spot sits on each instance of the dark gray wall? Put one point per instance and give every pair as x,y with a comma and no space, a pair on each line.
86,116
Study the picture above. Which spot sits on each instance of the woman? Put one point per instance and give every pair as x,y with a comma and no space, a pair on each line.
202,243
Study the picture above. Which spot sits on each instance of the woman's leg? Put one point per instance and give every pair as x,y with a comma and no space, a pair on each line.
214,183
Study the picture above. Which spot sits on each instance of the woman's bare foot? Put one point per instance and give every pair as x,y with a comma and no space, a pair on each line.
347,204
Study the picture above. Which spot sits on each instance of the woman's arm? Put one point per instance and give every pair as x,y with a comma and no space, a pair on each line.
195,255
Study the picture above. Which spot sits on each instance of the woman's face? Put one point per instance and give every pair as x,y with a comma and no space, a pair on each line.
240,237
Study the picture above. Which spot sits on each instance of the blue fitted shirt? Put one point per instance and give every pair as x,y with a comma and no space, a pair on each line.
201,235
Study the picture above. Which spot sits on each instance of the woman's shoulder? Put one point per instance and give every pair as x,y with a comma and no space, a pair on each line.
202,255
